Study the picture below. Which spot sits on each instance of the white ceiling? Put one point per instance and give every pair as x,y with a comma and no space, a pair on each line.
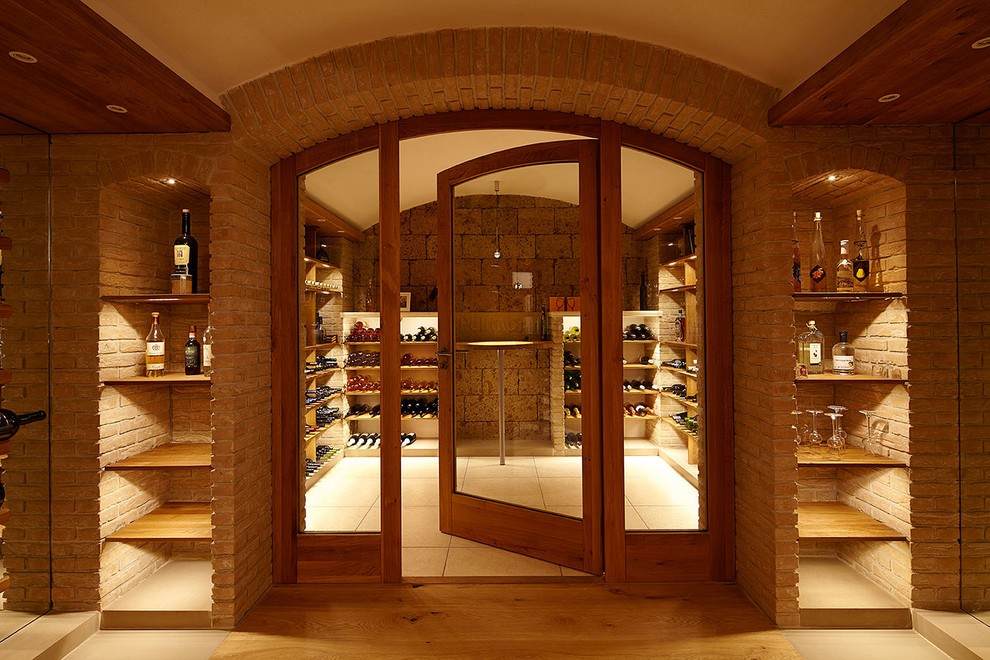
219,44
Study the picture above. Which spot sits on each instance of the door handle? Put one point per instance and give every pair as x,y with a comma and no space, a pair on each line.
443,354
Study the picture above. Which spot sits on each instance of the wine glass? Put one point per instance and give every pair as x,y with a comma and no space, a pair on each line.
815,439
836,441
839,410
871,445
800,430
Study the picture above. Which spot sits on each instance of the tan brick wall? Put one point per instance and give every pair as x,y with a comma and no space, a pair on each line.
26,553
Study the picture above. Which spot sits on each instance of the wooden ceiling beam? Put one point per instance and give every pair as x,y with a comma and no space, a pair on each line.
678,214
922,51
318,215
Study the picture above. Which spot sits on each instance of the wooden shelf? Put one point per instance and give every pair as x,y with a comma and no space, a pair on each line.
323,372
178,455
321,347
680,262
680,372
364,393
401,343
651,313
850,378
838,522
417,392
638,417
679,289
680,344
643,392
318,289
681,400
639,341
836,296
637,366
566,392
680,429
161,299
174,521
320,264
167,379
852,456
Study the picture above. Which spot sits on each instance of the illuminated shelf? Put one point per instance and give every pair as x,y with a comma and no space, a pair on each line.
679,289
321,347
320,264
849,456
680,344
836,296
849,378
839,522
178,455
174,521
681,372
167,379
681,400
162,299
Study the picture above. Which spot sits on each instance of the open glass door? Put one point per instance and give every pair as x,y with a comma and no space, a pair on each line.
518,300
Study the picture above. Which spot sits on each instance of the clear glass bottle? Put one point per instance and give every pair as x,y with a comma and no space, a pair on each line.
843,356
844,269
208,351
819,270
860,263
154,350
809,351
192,354
795,255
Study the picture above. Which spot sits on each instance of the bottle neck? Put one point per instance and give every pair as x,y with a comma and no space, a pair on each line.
186,223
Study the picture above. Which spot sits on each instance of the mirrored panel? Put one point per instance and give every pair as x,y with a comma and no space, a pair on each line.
340,361
663,363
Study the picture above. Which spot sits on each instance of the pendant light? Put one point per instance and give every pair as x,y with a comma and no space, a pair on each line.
498,243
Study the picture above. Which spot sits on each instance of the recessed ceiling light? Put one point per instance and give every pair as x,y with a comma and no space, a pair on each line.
833,177
887,98
982,43
119,109
28,58
169,181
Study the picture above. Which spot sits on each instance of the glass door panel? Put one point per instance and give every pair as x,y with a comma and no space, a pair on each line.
663,400
518,300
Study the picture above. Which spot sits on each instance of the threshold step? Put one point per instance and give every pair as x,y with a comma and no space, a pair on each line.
831,594
179,595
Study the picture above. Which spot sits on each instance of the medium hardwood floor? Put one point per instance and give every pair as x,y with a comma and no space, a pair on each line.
506,621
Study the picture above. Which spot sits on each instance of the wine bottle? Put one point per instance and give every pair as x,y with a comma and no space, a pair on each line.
818,260
861,265
642,292
544,325
154,351
11,422
192,354
795,256
843,356
844,269
186,252
208,351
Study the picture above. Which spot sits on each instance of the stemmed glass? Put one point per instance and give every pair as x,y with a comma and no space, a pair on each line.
800,430
836,441
838,410
815,439
870,445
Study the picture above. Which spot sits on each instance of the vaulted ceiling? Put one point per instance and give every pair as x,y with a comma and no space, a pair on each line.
167,63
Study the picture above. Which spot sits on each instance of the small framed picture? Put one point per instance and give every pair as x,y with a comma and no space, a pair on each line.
405,301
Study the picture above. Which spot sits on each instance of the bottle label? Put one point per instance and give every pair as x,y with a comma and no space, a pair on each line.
192,356
207,355
861,270
814,353
155,349
843,363
817,273
181,255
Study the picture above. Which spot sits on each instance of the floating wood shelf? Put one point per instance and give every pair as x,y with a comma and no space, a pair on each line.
836,296
839,522
321,347
179,455
162,299
681,372
680,344
681,400
167,379
320,264
174,521
850,456
850,378
637,366
679,289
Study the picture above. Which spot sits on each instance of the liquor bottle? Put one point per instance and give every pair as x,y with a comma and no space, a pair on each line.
11,422
208,351
809,354
154,351
843,356
186,252
642,292
192,354
818,260
322,254
844,269
861,265
680,326
795,255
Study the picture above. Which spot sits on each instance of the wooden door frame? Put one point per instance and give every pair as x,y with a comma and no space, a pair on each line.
629,556
541,534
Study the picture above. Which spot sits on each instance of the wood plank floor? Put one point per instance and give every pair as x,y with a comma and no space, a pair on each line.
506,621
